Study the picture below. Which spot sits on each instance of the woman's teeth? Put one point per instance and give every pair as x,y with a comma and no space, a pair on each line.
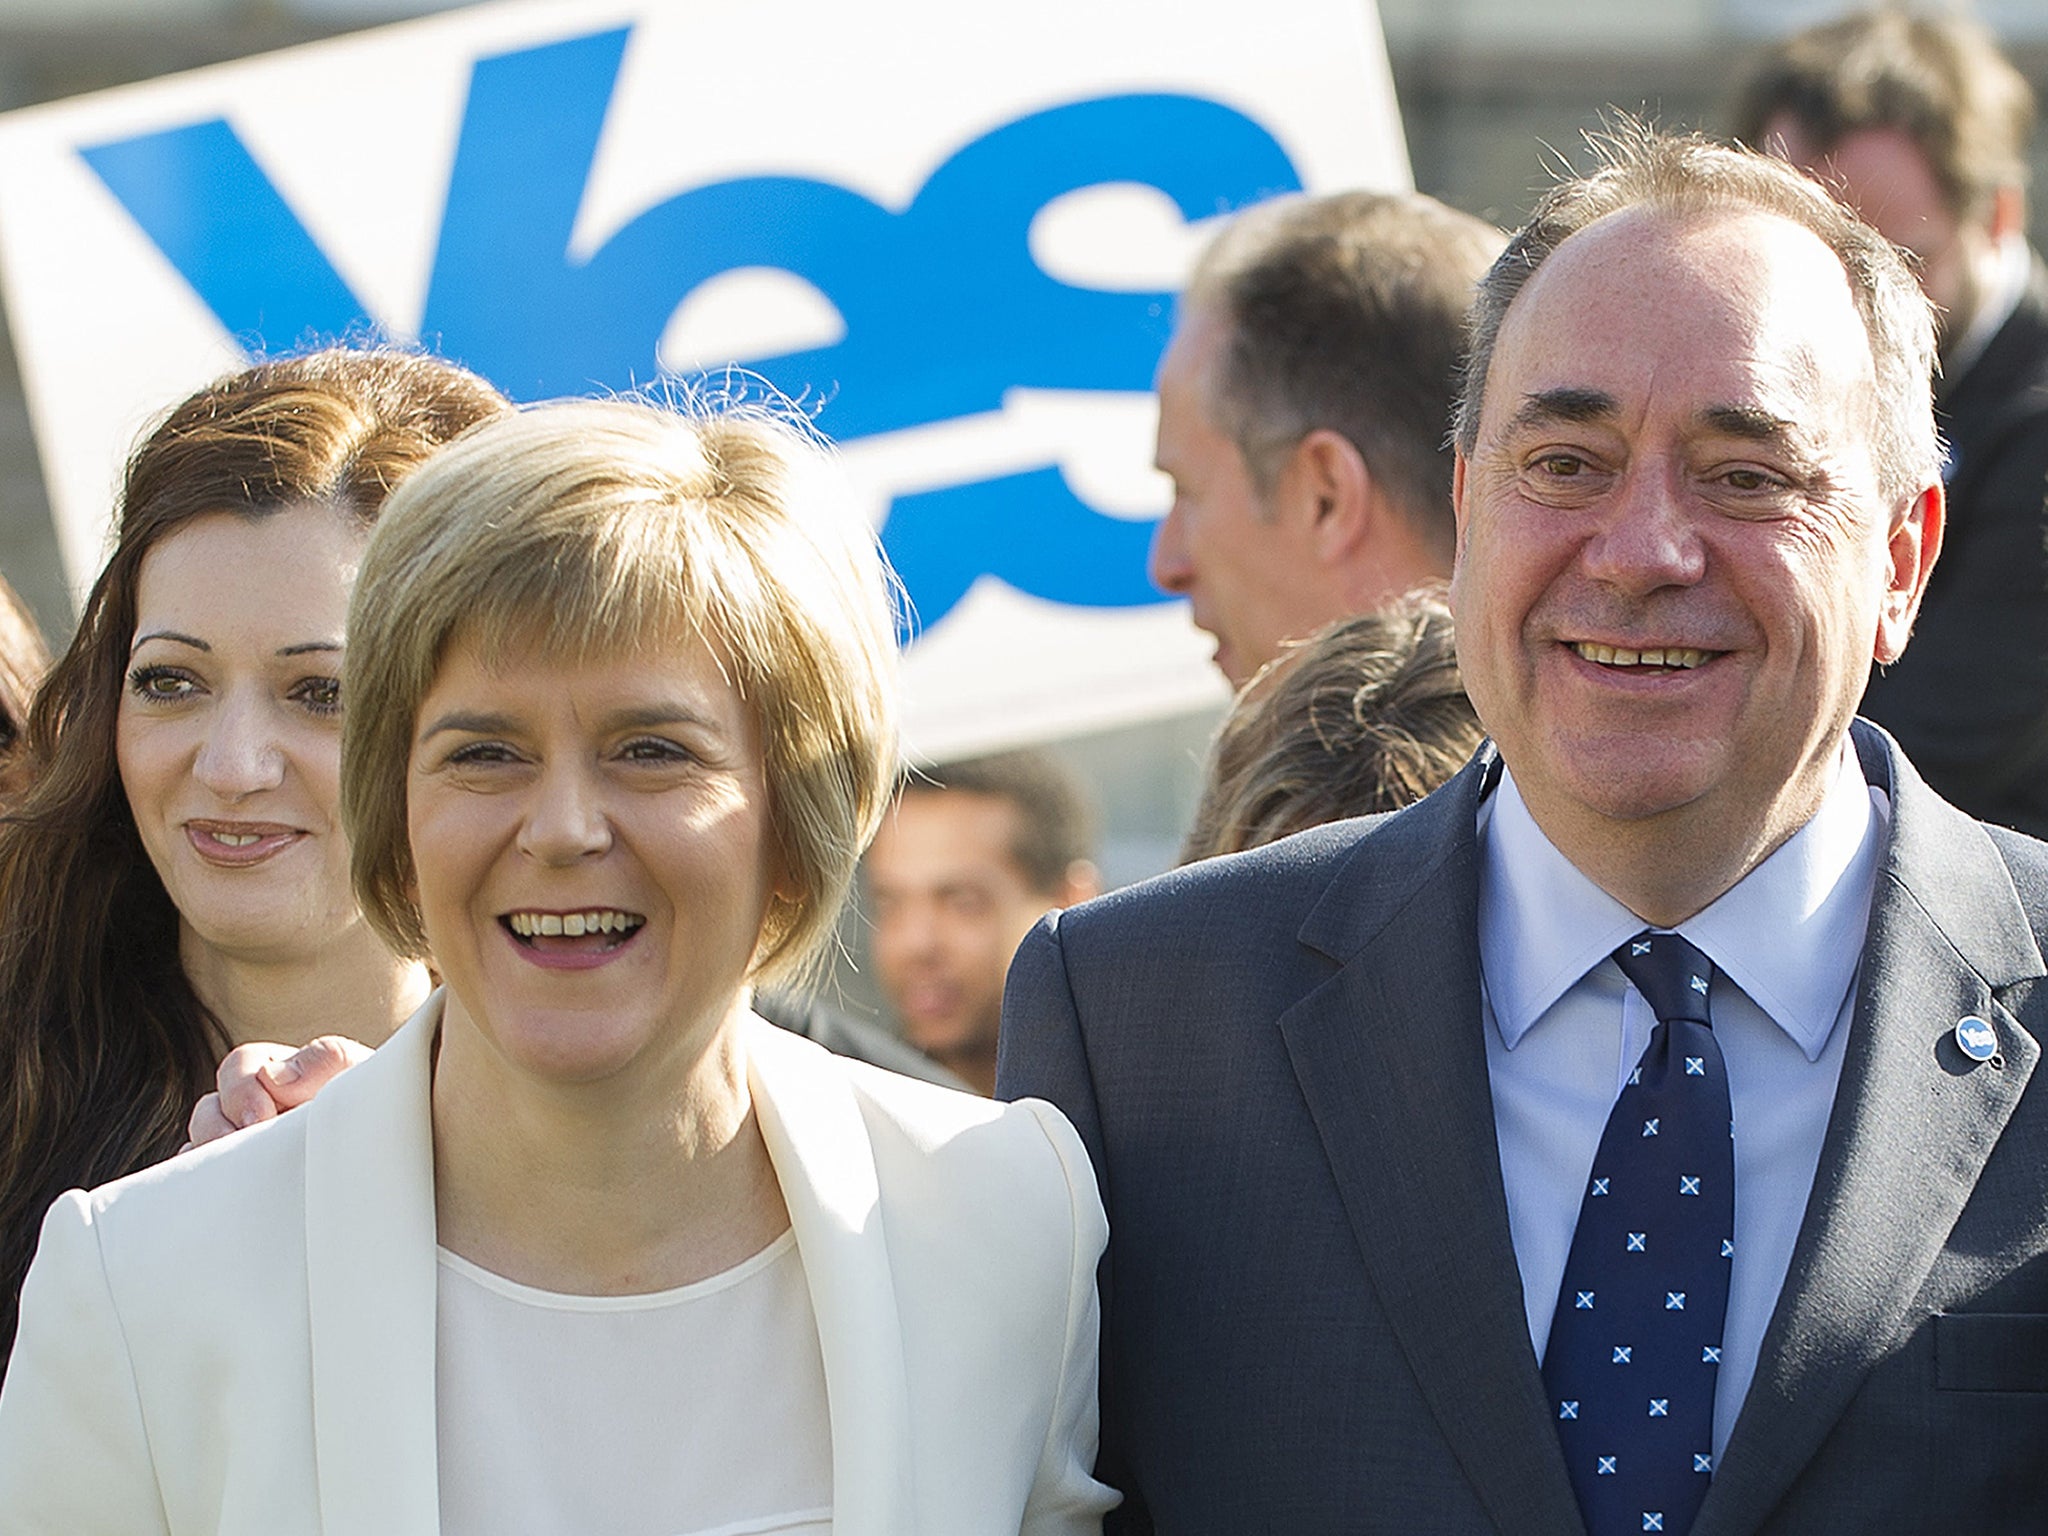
573,925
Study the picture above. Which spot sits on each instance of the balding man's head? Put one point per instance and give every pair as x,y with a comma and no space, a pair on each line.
1304,407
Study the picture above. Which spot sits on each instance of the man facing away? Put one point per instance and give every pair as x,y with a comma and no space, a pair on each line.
972,855
1304,407
1921,125
1414,1134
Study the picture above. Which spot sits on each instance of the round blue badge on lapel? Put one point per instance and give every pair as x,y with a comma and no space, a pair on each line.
1977,1039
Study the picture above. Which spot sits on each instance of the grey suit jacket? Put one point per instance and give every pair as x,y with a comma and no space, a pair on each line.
1312,1317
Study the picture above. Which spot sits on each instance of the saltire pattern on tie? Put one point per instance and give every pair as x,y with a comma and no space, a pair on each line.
1635,1344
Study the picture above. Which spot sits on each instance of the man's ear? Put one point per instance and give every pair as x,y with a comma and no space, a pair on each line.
2008,212
1459,467
1910,552
1326,484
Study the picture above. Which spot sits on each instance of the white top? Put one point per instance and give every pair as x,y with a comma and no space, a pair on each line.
1565,1027
693,1412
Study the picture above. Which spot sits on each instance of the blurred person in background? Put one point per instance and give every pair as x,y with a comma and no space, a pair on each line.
24,662
802,1013
968,858
1921,125
1304,414
175,881
588,1245
1365,716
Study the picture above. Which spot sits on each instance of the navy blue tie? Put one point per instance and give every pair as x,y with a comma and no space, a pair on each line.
1635,1346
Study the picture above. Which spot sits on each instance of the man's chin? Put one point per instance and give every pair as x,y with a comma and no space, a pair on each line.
950,1041
1624,775
1232,665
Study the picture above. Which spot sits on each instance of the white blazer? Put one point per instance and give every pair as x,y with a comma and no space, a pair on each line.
241,1340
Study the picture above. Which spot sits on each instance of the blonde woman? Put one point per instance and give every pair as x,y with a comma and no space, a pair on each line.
587,1245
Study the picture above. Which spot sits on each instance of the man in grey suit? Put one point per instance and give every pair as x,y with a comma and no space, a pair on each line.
1347,1094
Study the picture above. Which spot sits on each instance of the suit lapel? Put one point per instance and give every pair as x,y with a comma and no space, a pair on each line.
370,1289
1913,1122
1391,1059
819,1145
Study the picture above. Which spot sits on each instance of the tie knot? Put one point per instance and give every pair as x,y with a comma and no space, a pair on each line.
1672,974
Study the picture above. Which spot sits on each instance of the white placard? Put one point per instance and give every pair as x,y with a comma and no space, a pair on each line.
952,231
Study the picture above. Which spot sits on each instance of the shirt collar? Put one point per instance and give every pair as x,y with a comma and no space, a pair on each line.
1789,933
2008,287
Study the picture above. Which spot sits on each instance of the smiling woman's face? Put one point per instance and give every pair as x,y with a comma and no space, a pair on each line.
593,855
229,731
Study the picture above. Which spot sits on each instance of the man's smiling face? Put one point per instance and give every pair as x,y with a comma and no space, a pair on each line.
1675,565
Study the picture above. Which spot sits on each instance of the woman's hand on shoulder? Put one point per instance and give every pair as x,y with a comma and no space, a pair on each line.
258,1082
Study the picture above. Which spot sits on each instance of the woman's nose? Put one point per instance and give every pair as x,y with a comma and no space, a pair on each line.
566,821
241,754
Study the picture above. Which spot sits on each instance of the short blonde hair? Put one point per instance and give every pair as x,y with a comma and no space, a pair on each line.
601,527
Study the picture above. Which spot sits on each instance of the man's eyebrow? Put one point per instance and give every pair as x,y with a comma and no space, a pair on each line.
1753,424
1568,404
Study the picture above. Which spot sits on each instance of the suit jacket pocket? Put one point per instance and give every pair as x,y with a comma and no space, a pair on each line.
1991,1352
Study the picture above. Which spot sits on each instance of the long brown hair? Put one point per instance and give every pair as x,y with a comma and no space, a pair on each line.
103,1043
24,662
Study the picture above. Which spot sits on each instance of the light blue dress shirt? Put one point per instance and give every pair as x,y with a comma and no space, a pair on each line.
1564,1028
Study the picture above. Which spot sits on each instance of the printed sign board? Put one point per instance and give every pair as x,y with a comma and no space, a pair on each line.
953,233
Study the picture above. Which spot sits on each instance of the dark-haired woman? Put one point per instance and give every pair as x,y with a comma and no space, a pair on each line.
175,879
